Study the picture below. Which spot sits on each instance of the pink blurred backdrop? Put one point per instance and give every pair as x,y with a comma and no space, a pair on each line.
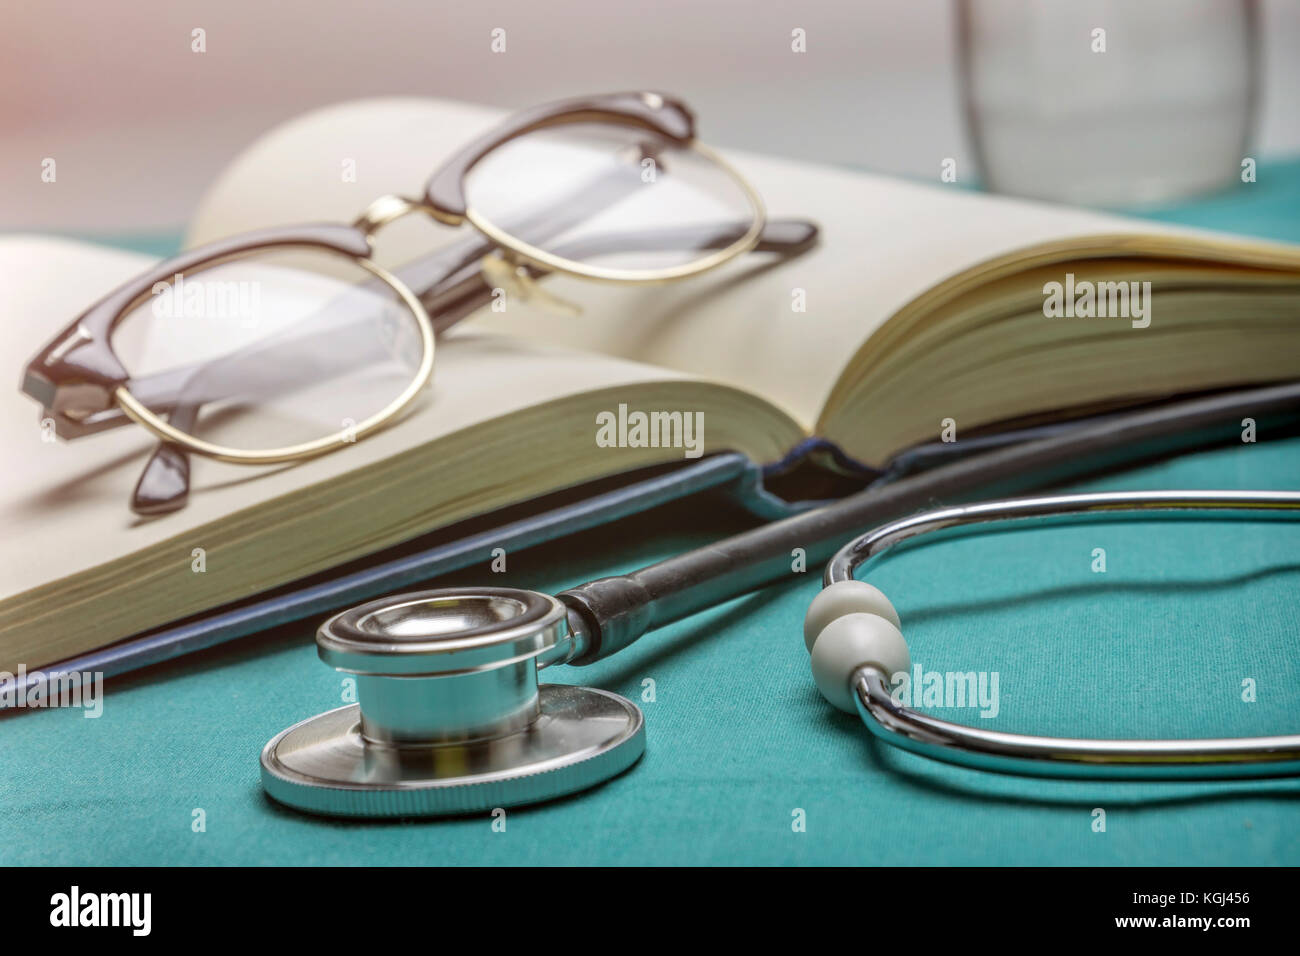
139,124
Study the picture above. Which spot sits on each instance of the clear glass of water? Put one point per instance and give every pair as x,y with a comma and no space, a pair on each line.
1109,102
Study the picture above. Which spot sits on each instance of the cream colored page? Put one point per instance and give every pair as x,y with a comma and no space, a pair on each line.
64,505
884,242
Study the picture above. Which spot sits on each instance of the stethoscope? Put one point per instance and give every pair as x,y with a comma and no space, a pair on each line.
451,718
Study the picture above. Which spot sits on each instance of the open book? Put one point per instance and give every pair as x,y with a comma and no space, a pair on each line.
925,311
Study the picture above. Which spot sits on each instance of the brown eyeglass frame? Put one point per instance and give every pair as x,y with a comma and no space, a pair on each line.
84,388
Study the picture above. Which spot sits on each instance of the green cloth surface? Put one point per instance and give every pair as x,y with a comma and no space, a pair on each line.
1268,208
738,737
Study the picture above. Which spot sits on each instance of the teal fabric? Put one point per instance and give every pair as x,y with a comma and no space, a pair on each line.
739,739
1268,208
739,742
162,243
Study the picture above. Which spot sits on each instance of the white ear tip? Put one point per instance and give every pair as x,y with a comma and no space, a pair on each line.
854,641
841,598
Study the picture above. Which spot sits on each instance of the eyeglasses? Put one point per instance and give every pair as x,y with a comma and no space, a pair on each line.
290,342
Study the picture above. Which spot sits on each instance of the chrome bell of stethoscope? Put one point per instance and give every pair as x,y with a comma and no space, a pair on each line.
450,717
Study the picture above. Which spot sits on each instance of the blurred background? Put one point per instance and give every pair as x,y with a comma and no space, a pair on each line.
140,124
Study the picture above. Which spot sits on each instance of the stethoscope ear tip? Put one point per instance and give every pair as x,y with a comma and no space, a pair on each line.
850,643
851,625
845,597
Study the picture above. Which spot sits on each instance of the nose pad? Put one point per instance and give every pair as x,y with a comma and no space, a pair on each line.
502,272
164,484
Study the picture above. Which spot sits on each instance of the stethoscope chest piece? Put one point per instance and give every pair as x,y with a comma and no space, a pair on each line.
450,717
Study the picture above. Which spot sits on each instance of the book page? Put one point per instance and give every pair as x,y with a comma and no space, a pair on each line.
785,330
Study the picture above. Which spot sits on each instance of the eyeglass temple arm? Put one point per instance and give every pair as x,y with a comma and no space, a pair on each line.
163,485
466,290
786,237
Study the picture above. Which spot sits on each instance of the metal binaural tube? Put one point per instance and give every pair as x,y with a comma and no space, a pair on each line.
1067,757
849,648
1054,509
